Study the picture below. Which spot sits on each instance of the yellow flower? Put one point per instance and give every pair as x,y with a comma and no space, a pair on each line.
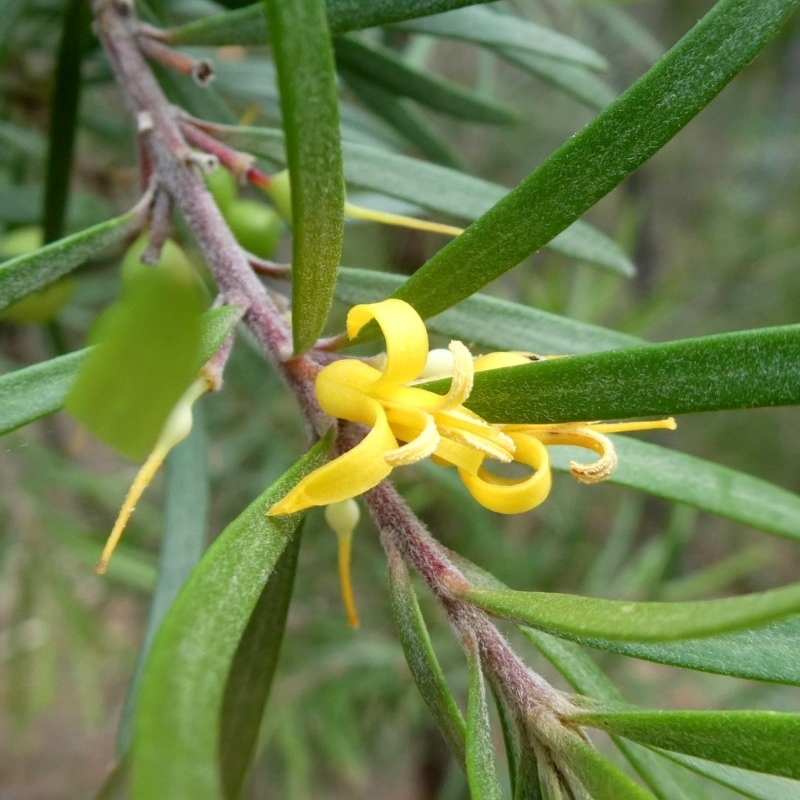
408,423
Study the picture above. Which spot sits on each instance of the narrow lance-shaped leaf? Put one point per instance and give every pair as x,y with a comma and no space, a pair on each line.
252,671
185,529
481,772
309,101
749,784
248,25
422,660
486,27
746,369
64,117
34,392
575,616
765,741
178,719
600,156
385,68
24,274
600,779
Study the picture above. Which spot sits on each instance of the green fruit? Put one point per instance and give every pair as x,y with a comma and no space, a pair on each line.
172,259
257,228
41,306
222,185
280,192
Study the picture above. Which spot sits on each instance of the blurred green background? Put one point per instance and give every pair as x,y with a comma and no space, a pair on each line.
711,223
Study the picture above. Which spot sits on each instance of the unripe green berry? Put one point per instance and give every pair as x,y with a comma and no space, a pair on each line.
257,228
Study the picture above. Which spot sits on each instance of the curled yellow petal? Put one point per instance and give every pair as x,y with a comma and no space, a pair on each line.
351,474
405,335
420,434
509,496
588,437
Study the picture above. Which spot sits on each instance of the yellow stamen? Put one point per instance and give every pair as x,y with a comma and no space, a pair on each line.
387,218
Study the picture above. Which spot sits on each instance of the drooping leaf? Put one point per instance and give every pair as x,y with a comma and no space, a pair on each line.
34,392
484,26
481,772
600,156
147,349
575,616
178,719
303,55
422,660
746,369
25,274
247,26
382,66
764,741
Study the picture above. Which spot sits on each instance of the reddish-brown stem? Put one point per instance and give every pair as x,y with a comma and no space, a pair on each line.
170,155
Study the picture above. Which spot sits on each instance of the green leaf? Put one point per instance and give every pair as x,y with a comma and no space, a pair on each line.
769,653
25,274
600,156
145,359
178,720
248,25
405,118
422,660
488,321
64,117
382,66
34,392
439,189
576,81
185,529
576,617
702,484
746,369
484,26
764,741
252,671
481,773
600,779
755,785
664,779
309,100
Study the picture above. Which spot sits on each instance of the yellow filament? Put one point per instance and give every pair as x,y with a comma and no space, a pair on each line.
140,483
359,212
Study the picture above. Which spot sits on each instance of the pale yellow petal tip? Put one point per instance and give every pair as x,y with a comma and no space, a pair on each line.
290,504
